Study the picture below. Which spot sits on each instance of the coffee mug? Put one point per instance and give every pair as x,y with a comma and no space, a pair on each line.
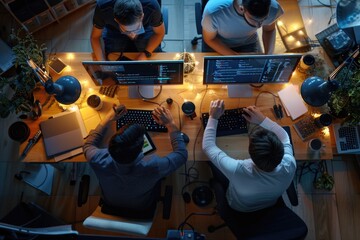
95,102
315,144
324,120
189,109
306,62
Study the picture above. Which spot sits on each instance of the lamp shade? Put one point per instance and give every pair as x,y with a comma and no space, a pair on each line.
316,91
67,89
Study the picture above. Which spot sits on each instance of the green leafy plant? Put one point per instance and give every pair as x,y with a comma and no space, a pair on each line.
16,90
345,102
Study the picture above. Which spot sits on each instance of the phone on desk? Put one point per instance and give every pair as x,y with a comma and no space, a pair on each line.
57,65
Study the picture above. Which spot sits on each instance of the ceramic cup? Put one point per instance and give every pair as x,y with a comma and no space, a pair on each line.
315,144
189,109
95,102
306,62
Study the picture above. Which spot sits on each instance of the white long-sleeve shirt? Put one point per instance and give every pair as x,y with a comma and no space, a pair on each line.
251,188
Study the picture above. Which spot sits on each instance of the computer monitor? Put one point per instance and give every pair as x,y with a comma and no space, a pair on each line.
141,76
242,70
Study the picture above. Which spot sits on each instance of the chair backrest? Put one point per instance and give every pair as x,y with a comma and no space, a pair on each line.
165,14
199,9
277,222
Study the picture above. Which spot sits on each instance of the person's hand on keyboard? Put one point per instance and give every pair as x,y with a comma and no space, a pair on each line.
116,113
217,108
163,116
253,115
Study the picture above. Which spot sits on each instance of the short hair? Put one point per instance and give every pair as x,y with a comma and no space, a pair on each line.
128,12
265,149
257,8
126,145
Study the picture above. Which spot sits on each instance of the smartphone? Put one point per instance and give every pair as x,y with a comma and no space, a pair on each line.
57,65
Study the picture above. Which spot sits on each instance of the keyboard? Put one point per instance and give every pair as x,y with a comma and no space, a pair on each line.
142,117
347,138
230,123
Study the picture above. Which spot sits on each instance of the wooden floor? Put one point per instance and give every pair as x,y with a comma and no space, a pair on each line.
331,214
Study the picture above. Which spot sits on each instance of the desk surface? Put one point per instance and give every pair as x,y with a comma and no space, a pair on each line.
192,90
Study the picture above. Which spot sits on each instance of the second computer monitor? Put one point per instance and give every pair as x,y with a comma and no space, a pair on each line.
243,70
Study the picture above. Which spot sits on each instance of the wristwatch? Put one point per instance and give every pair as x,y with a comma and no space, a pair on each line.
147,53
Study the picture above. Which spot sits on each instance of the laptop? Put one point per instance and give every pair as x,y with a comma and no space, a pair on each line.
61,134
347,139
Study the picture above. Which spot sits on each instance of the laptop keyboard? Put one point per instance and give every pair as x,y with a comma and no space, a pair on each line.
351,141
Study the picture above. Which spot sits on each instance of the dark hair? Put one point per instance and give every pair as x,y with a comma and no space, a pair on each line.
257,8
265,149
127,143
128,12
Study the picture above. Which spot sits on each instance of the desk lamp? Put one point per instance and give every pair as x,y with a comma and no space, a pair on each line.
316,91
66,89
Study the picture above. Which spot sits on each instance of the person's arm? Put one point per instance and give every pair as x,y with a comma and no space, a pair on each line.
255,116
154,41
219,158
216,44
179,155
95,40
96,136
269,37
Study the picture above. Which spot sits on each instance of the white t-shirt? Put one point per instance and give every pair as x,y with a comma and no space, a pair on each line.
251,188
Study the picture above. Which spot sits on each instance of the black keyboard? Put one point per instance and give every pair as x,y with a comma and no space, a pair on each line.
230,123
142,117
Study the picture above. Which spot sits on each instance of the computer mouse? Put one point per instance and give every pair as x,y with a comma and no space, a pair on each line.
185,137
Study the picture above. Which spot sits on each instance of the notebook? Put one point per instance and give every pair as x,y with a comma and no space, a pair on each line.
347,138
292,102
61,134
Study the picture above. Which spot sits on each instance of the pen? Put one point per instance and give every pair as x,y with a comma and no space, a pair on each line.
114,109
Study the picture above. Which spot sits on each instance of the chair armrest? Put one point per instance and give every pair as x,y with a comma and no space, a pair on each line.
292,194
167,201
83,190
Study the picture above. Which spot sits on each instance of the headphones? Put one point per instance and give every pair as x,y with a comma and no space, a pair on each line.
201,195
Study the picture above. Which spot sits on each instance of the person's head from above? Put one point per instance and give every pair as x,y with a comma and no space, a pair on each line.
254,12
129,15
265,149
127,143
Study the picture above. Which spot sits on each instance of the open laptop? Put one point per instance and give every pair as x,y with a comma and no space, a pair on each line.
347,138
61,134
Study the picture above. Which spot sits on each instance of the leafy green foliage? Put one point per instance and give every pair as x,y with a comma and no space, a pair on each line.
24,81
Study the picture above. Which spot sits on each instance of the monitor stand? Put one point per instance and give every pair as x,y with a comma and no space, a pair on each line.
146,92
239,91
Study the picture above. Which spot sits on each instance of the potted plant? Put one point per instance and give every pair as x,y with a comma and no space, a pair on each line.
345,101
16,90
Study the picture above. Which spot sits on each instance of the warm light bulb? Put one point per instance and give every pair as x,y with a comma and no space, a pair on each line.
291,38
177,55
298,43
70,56
301,32
310,21
280,23
67,69
326,131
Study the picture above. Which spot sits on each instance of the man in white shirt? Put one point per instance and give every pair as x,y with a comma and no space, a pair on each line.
255,183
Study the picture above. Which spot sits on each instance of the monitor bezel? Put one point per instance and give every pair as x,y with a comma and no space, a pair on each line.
139,62
298,56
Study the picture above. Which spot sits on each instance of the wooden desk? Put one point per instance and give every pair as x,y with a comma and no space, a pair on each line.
192,90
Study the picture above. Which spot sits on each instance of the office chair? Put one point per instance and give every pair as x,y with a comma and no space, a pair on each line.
123,221
276,222
199,9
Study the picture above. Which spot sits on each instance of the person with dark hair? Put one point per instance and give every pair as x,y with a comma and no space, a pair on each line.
229,27
257,182
127,178
127,26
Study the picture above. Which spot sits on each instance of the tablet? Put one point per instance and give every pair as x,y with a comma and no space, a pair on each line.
148,144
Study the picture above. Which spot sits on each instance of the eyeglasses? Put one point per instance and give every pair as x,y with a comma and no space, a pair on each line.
136,31
253,22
